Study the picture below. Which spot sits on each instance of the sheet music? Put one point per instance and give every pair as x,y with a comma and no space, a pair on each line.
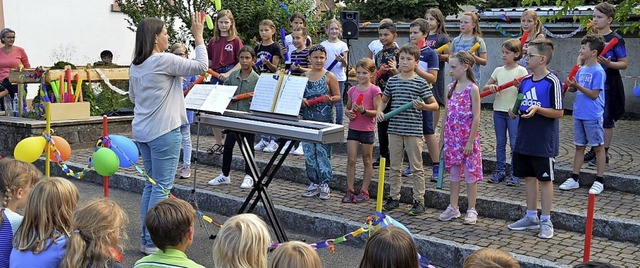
210,98
290,99
264,93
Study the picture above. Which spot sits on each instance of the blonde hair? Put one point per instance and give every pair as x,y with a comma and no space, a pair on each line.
267,23
295,254
538,29
98,228
16,174
177,46
47,215
490,258
337,23
475,21
233,33
242,242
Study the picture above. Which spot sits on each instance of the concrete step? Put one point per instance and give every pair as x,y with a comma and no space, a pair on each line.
444,243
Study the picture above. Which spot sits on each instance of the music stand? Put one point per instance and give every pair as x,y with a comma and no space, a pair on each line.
192,195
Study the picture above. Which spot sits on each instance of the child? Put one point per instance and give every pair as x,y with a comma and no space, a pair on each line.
386,63
17,178
502,122
428,70
295,254
470,34
612,62
390,247
437,37
41,239
245,79
530,24
170,224
361,128
317,158
537,139
299,56
376,46
405,129
96,240
223,50
185,172
296,20
269,52
490,258
336,50
588,108
460,136
242,241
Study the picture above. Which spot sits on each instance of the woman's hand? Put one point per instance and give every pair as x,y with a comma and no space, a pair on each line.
197,28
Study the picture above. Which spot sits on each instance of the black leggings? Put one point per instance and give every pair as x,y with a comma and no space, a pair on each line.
227,153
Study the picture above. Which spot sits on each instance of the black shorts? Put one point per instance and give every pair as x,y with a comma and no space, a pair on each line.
427,123
364,137
533,166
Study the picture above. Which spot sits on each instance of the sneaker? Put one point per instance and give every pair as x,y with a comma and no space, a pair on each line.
406,172
362,197
498,176
472,217
221,179
387,164
376,163
299,150
313,190
434,174
596,188
271,147
416,209
449,214
525,224
148,250
185,172
569,184
546,229
513,181
349,196
324,191
285,147
593,161
390,204
261,145
590,155
247,182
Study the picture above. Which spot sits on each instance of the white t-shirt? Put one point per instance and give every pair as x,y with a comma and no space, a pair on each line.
332,50
14,218
291,47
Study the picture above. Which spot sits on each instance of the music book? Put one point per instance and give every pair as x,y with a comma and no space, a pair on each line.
209,98
279,93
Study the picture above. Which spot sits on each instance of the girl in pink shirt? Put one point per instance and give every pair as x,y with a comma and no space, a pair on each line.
11,57
361,112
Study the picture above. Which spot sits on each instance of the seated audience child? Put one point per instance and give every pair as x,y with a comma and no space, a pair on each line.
96,241
170,225
490,258
41,239
242,242
390,247
295,254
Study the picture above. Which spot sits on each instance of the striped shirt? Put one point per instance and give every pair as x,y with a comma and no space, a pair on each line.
402,91
301,57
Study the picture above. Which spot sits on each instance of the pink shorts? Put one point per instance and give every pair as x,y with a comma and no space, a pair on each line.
468,177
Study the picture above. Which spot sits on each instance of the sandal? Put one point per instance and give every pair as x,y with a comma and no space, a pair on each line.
215,149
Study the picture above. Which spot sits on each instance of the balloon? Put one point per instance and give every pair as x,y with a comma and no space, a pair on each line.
218,4
63,147
125,149
636,91
209,22
388,220
29,149
105,161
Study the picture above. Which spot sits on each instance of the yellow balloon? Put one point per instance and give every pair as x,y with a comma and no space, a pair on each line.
29,149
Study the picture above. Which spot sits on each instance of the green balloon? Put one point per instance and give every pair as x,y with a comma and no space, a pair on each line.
105,162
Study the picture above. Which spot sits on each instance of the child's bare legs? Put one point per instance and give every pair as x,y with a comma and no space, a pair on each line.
455,194
432,146
546,195
367,159
217,134
531,184
472,193
600,159
578,159
352,155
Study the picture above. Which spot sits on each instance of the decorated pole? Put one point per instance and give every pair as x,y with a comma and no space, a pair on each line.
589,228
47,130
380,194
105,133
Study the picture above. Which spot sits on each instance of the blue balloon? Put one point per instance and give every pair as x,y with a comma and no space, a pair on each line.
636,91
388,220
125,149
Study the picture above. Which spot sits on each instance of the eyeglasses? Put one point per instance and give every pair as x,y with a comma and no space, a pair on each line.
529,55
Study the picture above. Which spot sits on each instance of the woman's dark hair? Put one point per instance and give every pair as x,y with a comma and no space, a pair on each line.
390,247
146,33
4,32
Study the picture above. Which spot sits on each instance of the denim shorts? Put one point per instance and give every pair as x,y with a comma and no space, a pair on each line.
588,132
364,137
427,122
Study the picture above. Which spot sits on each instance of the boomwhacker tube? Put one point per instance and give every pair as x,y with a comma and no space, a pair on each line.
283,36
442,48
440,169
400,109
474,47
523,39
502,87
589,228
317,100
380,194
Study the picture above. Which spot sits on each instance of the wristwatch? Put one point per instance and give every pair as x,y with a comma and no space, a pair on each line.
363,112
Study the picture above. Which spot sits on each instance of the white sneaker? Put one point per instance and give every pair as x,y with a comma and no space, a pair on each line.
247,183
569,184
221,179
313,190
272,147
185,172
286,144
324,191
261,145
298,151
596,188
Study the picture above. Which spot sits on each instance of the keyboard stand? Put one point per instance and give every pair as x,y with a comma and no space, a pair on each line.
260,185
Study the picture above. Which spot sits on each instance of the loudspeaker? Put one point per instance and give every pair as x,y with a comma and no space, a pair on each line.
350,24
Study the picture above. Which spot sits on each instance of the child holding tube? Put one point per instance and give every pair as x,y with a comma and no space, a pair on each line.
470,40
405,128
437,39
504,99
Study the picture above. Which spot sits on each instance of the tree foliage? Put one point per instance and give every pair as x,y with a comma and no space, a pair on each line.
402,10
